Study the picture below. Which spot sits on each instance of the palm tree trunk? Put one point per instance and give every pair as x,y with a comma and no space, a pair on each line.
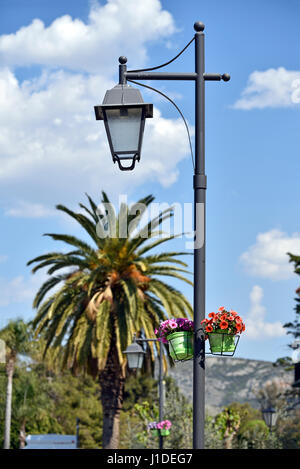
22,435
111,380
228,441
9,371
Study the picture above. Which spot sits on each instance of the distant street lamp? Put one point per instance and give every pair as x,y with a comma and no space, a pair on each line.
270,417
135,355
124,113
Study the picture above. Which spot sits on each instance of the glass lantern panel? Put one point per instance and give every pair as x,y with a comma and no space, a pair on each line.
274,418
270,417
267,418
124,125
135,360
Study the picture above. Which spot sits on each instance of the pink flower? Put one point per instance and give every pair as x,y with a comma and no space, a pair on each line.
173,324
164,425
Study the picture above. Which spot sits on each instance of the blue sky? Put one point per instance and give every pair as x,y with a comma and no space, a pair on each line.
56,61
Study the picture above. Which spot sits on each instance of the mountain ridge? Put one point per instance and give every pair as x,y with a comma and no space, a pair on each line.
229,379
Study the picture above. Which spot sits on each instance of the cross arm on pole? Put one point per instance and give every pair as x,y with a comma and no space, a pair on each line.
174,76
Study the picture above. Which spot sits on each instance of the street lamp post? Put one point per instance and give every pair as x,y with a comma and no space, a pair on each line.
77,432
119,146
270,417
135,355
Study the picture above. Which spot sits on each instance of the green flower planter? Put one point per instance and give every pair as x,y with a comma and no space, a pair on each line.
181,345
164,432
154,432
221,342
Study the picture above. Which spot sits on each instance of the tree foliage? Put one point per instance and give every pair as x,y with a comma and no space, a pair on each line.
112,288
105,292
293,327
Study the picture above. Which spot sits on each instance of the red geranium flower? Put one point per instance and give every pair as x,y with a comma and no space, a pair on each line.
225,320
213,316
224,325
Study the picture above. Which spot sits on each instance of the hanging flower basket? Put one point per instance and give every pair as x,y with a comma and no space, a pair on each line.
181,345
152,427
221,342
164,427
179,334
154,432
223,329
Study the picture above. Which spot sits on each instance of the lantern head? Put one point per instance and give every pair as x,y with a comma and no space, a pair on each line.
270,417
124,112
135,355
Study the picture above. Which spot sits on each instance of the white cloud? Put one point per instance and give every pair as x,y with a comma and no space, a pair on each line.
270,88
27,210
256,325
20,289
117,28
52,149
268,258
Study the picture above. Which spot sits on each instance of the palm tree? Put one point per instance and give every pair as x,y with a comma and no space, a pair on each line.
16,337
110,291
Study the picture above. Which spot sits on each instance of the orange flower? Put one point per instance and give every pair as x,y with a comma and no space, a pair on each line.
243,328
204,320
224,325
213,316
230,318
208,328
239,327
224,317
221,308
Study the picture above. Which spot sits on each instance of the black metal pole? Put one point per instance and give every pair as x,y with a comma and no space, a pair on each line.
77,432
161,393
199,183
160,386
199,247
